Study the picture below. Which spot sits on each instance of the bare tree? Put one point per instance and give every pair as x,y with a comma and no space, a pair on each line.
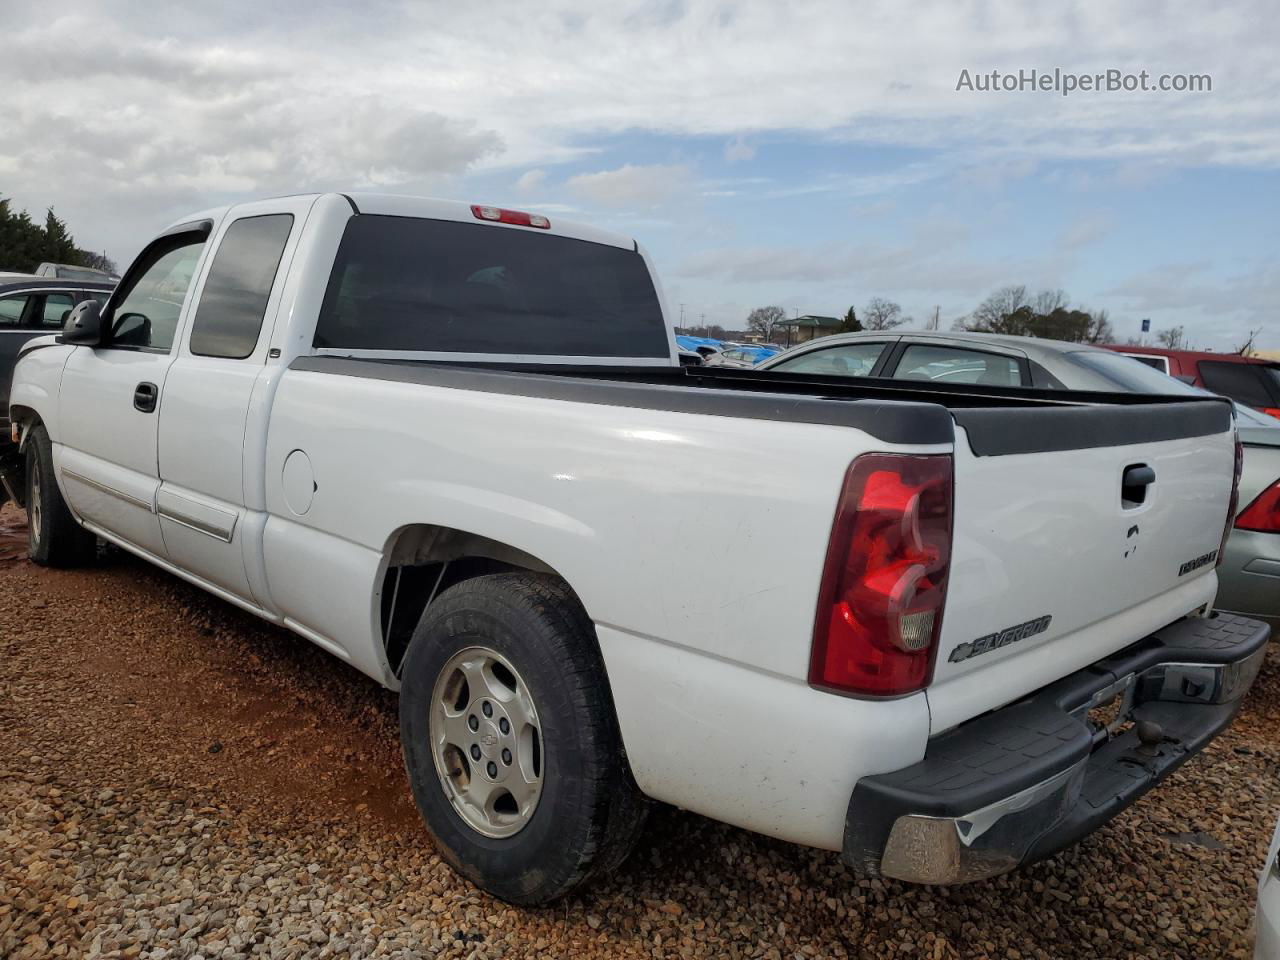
764,320
1100,329
1047,301
992,314
1246,349
882,314
1174,338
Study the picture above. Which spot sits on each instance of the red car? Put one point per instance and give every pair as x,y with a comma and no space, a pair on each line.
1251,381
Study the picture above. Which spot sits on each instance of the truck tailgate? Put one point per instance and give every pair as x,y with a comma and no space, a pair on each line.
1055,563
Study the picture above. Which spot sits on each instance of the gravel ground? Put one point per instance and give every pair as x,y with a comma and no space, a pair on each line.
179,780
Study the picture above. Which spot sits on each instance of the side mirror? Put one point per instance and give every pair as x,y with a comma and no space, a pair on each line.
132,330
84,325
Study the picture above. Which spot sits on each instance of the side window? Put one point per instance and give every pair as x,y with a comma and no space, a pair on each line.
1042,378
147,315
1151,360
234,300
947,364
846,360
55,310
11,309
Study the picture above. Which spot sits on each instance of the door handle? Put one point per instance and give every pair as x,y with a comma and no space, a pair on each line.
145,396
1138,476
1134,483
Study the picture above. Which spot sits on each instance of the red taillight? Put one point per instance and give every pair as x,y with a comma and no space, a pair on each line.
518,217
1234,501
1263,514
885,579
1273,411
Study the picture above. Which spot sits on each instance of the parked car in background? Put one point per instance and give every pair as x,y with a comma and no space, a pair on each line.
1267,946
740,355
1249,574
1253,381
886,593
29,307
69,271
703,346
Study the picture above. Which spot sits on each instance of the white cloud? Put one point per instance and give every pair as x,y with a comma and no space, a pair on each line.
531,180
1184,293
738,150
632,186
155,109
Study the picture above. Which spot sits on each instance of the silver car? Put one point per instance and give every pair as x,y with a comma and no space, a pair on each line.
1268,917
1249,578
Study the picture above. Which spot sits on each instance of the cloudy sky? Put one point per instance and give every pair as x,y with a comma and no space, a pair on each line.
810,155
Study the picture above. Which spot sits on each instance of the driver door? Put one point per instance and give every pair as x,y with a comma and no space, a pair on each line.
106,443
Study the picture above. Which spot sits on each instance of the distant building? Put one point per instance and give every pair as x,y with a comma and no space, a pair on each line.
808,327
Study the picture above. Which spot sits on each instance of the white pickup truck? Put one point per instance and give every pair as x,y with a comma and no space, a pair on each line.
943,629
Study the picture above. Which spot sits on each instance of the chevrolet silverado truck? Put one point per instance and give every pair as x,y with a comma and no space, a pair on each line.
943,629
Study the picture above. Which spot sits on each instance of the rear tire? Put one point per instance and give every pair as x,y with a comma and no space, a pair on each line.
518,646
54,539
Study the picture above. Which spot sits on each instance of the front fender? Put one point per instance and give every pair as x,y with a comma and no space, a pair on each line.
36,378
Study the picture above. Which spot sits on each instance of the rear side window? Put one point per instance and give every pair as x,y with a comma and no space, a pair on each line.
947,364
1252,384
56,308
402,283
229,317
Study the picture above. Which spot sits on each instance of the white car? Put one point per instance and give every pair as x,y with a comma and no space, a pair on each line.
1268,922
452,445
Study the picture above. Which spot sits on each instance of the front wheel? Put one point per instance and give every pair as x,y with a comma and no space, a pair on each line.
54,539
510,739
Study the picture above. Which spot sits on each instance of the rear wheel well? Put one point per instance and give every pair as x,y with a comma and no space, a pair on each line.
424,560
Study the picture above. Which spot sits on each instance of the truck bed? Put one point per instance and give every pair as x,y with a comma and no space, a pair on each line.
996,420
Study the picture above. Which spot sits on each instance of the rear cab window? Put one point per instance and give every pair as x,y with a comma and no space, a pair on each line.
439,286
1253,384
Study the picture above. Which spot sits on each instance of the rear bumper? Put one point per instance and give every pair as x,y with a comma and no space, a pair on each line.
1268,914
1025,781
1249,578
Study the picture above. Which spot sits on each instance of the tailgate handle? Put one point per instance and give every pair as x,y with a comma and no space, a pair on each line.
1133,486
